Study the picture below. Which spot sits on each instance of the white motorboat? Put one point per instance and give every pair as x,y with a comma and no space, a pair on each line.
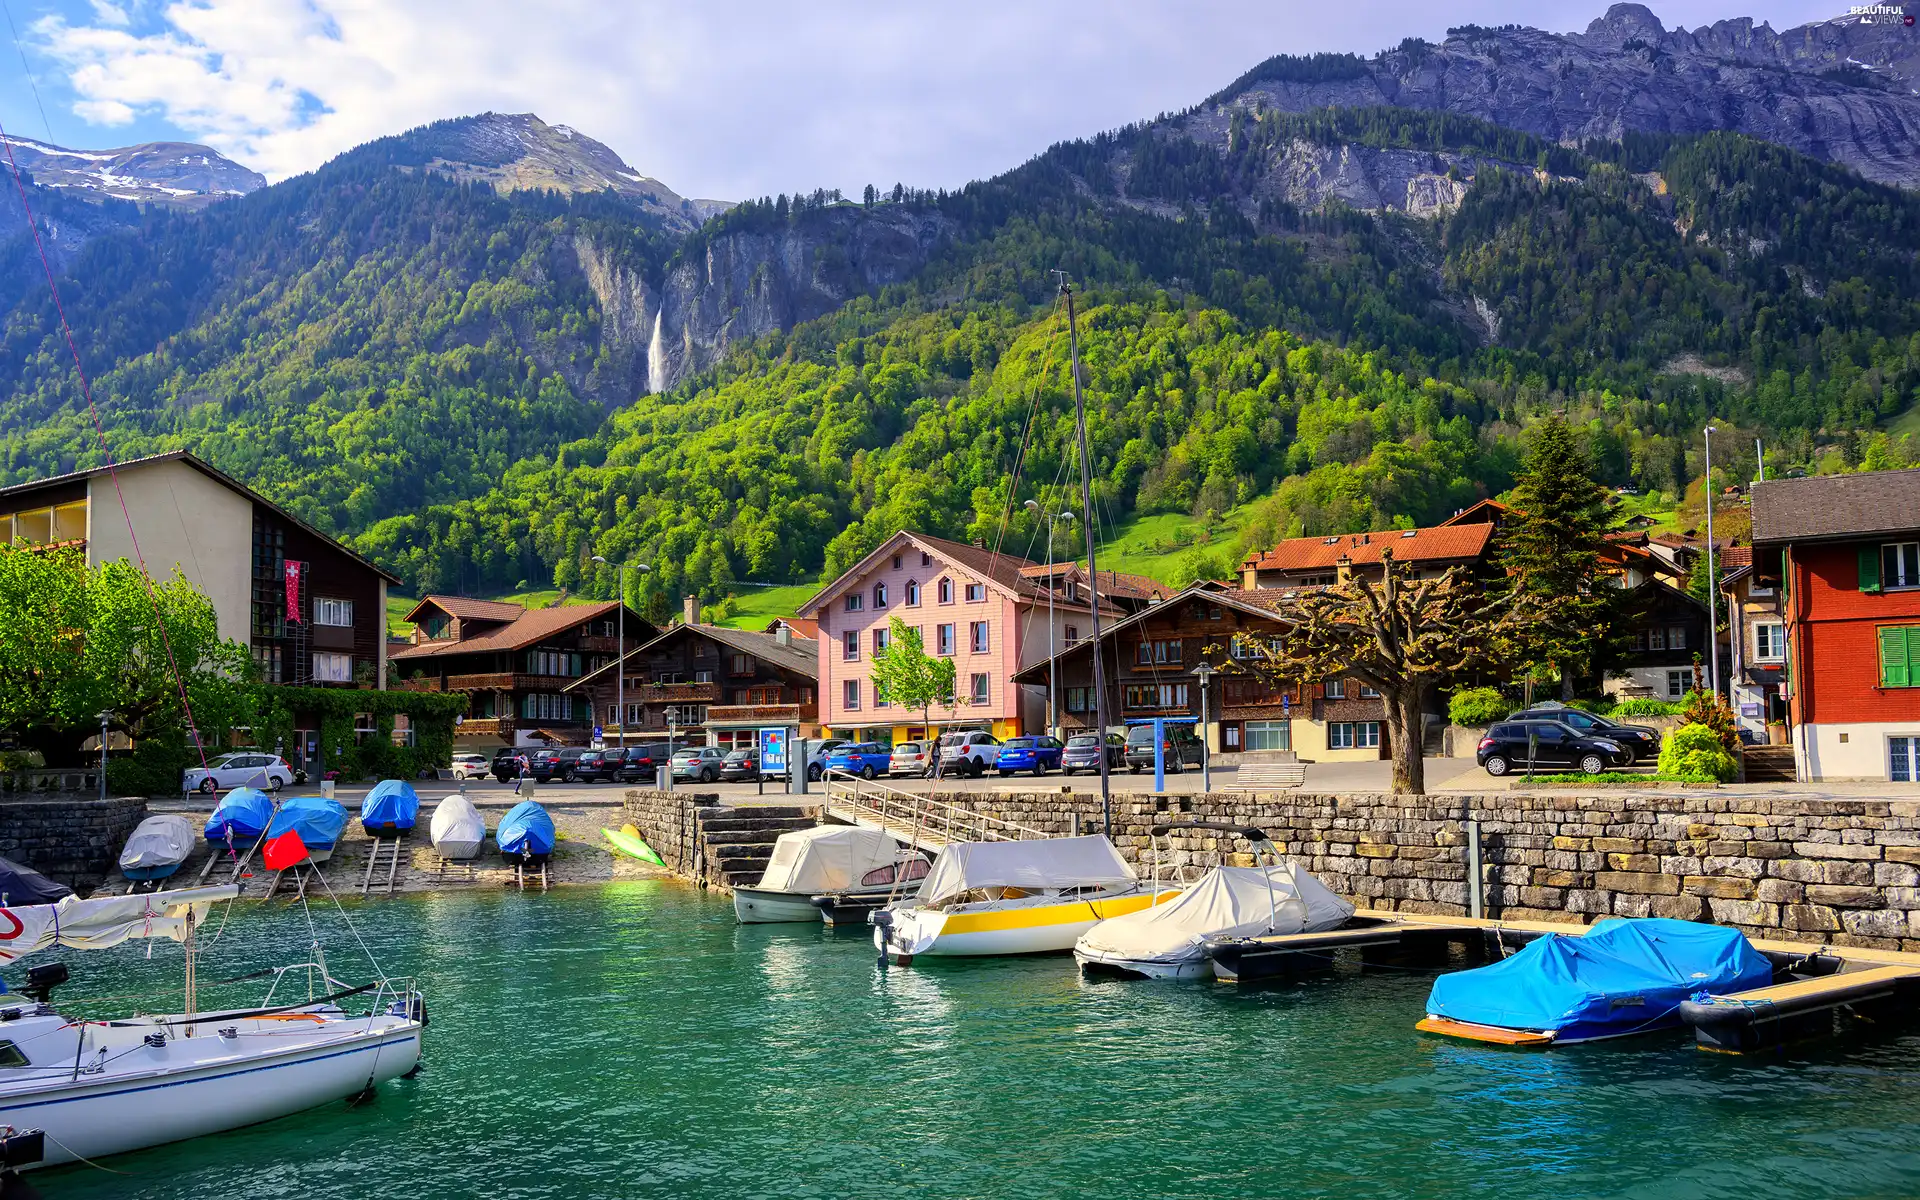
157,846
827,859
458,829
1025,897
95,1088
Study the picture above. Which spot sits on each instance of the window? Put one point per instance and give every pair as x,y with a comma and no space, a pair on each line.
1164,650
332,612
703,676
1079,700
1899,655
1315,581
896,562
1336,689
926,560
977,636
979,690
855,602
11,1056
681,716
1769,642
1353,735
913,593
1156,695
1900,565
1369,693
332,668
850,695
1676,637
1269,735
976,592
544,706
1677,682
879,696
850,645
552,662
880,591
1903,759
879,642
946,591
944,636
1656,639
1073,633
742,664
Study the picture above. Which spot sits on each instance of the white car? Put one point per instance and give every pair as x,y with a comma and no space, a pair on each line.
268,772
470,765
968,753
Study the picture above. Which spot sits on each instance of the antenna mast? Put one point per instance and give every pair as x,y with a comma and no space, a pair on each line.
1093,569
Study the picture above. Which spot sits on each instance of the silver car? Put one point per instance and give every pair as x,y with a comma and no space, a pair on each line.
909,758
268,772
698,763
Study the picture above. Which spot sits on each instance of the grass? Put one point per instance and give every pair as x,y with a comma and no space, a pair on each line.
1615,780
1154,545
1905,423
754,608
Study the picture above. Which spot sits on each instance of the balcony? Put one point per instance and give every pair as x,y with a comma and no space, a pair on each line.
763,714
494,681
601,645
418,685
485,727
674,693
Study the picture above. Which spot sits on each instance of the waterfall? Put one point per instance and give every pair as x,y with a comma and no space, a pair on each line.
657,355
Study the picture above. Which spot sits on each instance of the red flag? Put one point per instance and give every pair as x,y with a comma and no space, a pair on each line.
293,591
285,851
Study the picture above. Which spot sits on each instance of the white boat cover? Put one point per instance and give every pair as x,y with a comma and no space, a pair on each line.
826,858
163,840
458,828
97,924
1036,864
1227,902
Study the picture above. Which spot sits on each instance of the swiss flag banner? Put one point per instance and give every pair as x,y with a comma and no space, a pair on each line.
285,851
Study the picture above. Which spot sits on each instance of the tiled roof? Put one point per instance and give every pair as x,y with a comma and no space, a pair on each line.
469,609
526,629
1007,570
1264,602
1836,506
1112,583
801,655
803,627
1440,543
1736,556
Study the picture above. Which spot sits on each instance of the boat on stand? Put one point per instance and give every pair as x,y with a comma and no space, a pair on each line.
156,848
73,1089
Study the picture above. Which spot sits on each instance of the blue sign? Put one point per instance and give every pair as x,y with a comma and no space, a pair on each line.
773,750
1286,705
597,733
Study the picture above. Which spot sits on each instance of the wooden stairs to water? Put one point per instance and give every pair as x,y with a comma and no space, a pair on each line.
1768,764
737,843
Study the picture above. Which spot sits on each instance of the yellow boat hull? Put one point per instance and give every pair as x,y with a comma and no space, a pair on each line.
1012,927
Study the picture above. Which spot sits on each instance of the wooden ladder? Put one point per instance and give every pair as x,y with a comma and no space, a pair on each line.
389,849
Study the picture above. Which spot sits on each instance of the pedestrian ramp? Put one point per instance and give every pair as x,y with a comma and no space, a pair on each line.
923,822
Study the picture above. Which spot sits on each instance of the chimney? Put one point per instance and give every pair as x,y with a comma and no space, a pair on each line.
784,634
690,609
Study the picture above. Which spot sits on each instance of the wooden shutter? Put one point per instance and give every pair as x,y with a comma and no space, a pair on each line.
1869,568
1897,660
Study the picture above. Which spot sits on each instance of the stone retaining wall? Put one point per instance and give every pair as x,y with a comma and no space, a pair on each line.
75,841
669,821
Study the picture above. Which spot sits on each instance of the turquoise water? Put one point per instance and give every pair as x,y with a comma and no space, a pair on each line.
632,1040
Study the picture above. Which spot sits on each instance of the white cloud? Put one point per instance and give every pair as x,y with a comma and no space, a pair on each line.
727,101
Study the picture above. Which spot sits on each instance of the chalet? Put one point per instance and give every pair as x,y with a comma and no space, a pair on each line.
1666,631
1325,561
1632,556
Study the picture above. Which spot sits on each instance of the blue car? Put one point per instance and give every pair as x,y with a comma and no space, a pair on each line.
865,759
1038,754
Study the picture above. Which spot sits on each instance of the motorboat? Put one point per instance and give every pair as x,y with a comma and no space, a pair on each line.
457,828
319,820
391,809
74,1089
156,848
1018,897
1624,976
242,815
878,888
21,884
525,835
810,862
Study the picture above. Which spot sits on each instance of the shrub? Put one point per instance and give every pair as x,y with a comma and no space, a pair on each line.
1695,751
1645,706
1700,708
1478,706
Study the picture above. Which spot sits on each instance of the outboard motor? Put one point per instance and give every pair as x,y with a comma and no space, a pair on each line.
41,981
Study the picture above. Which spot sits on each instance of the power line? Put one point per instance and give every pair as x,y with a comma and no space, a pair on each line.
8,9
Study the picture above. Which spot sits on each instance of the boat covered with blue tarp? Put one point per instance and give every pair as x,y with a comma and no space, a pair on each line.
241,817
319,820
392,807
525,833
1626,976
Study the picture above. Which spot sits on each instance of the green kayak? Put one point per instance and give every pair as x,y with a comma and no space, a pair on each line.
627,841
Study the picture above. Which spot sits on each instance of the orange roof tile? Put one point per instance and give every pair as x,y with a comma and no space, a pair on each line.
523,631
467,608
1439,543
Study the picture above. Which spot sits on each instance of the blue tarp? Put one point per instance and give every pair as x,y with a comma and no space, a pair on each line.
1624,977
24,885
317,819
241,816
391,805
526,830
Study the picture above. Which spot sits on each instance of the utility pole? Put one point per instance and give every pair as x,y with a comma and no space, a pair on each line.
620,645
1713,584
1093,567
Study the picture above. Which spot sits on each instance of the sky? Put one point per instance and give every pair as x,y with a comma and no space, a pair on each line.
721,101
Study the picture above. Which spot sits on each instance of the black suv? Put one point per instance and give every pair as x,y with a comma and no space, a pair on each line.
1182,748
1639,741
1552,745
641,764
595,766
506,763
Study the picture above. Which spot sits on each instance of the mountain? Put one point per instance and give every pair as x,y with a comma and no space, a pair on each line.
178,175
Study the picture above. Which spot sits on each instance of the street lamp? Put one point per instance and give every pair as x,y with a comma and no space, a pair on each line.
1713,623
1053,712
620,650
104,718
1205,673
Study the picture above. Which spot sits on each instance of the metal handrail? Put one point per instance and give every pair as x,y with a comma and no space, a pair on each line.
899,808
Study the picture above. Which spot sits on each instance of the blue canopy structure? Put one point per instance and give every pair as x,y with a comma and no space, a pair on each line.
1626,976
241,816
390,807
317,819
525,832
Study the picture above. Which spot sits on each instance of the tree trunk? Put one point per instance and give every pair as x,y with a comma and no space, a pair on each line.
1566,685
1405,737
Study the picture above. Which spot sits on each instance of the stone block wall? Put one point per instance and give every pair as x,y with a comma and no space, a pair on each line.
74,840
669,821
1840,871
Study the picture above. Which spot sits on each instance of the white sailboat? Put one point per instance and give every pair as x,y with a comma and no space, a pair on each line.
844,860
72,1089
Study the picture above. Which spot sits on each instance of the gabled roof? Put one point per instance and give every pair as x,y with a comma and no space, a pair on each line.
1438,543
211,472
800,655
529,627
1836,507
1122,584
1002,572
803,627
467,609
1263,602
1480,512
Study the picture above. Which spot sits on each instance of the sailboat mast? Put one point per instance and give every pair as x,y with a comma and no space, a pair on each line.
1093,568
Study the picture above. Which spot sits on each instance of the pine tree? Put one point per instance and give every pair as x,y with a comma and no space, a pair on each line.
1553,548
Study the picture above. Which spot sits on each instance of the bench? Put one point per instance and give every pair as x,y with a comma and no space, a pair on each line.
1269,777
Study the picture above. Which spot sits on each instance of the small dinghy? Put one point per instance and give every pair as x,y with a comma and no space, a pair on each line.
457,828
242,815
156,848
1169,941
319,820
24,885
525,835
627,840
390,809
812,862
1627,976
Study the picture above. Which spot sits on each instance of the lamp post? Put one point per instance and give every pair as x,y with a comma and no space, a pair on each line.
1713,632
1205,673
104,718
620,649
1053,710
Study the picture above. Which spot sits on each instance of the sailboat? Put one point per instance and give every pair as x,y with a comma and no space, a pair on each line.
82,1089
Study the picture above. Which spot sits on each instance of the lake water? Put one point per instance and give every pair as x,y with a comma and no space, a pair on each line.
631,1040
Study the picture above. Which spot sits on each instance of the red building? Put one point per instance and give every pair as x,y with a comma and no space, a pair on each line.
1845,549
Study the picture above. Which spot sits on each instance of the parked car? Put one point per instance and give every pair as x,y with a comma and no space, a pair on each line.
470,764
1639,741
1506,747
508,761
1082,753
596,766
268,772
968,753
910,758
640,764
865,759
1038,753
743,763
543,765
699,764
1181,749
818,753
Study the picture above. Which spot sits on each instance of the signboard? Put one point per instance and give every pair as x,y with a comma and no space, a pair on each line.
599,738
1749,710
773,751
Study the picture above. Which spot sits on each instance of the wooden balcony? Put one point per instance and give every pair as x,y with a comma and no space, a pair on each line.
674,693
764,714
495,681
601,645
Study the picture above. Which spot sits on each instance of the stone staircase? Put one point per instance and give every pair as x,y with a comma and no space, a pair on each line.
737,843
1768,764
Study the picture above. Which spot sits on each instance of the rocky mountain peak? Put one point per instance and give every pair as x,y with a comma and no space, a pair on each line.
168,174
1627,23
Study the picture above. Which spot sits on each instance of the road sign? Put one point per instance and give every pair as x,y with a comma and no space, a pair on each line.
773,751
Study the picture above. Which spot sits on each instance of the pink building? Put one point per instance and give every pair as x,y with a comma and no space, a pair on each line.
988,612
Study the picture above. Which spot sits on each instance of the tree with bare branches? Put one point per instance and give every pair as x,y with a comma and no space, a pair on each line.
1400,636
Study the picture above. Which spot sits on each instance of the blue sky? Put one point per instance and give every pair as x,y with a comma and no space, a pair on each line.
745,99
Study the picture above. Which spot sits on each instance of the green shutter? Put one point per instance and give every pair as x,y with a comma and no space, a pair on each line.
1869,568
1897,660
